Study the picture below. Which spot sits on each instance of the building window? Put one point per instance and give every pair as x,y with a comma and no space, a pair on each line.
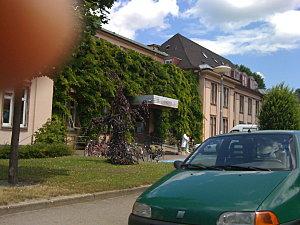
245,80
249,106
237,75
204,55
257,109
168,61
213,126
225,125
214,93
24,108
226,97
215,60
8,106
234,103
140,128
7,109
242,100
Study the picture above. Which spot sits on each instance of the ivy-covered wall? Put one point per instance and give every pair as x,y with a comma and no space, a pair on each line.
87,78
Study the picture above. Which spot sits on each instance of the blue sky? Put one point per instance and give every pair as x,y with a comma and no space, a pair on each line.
261,34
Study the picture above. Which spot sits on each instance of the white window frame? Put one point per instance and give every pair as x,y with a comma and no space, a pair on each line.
168,61
24,116
10,97
25,108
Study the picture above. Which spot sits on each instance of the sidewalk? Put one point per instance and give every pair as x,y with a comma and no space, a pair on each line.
66,200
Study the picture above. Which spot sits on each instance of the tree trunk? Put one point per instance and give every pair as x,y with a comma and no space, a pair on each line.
13,160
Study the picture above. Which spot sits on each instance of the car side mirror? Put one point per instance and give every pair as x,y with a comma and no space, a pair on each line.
178,164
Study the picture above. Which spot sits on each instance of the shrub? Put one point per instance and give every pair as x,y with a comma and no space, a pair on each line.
54,131
280,110
4,152
38,150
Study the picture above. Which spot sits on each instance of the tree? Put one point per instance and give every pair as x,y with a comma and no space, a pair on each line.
280,110
120,122
298,93
258,78
92,14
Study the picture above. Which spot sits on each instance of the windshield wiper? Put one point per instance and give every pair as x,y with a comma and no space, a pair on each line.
201,167
244,168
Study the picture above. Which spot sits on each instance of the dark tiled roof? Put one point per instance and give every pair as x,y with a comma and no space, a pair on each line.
192,54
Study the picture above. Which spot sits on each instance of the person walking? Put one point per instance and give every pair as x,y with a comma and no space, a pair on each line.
185,143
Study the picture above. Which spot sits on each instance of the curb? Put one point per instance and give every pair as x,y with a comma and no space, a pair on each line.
66,200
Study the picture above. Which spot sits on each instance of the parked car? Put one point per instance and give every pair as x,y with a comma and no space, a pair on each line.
244,128
232,179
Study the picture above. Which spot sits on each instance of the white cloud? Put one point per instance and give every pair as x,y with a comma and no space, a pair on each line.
287,23
234,14
259,40
248,26
128,17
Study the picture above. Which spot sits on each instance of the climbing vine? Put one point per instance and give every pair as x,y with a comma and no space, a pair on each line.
87,78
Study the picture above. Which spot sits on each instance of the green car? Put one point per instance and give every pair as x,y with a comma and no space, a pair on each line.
233,179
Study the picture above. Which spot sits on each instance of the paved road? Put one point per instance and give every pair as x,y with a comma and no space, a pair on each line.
114,211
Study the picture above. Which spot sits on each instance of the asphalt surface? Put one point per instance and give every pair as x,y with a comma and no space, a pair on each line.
113,211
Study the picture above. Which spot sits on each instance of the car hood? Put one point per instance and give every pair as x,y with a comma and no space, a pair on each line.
205,195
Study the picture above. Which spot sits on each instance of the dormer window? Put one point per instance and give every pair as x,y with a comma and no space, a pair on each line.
204,55
168,61
215,60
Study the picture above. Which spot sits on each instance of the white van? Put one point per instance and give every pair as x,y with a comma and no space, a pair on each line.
244,128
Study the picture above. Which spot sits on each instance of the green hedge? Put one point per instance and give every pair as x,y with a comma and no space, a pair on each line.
38,151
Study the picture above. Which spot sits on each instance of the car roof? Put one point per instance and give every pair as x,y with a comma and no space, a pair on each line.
293,132
246,125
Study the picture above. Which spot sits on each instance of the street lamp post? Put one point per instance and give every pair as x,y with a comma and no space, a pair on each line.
221,104
221,70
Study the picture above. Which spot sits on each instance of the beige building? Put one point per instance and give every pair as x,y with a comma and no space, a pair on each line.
36,110
238,103
241,97
241,104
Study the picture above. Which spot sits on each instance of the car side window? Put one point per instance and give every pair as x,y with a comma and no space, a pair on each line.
208,153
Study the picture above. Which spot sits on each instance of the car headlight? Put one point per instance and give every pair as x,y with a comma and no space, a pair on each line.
237,218
142,210
248,218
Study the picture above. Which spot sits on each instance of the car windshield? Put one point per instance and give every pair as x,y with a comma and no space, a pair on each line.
245,152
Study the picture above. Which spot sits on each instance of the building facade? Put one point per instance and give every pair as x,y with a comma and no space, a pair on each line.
36,109
155,102
126,43
240,100
238,103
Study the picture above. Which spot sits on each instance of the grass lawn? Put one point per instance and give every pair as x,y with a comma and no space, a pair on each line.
46,178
